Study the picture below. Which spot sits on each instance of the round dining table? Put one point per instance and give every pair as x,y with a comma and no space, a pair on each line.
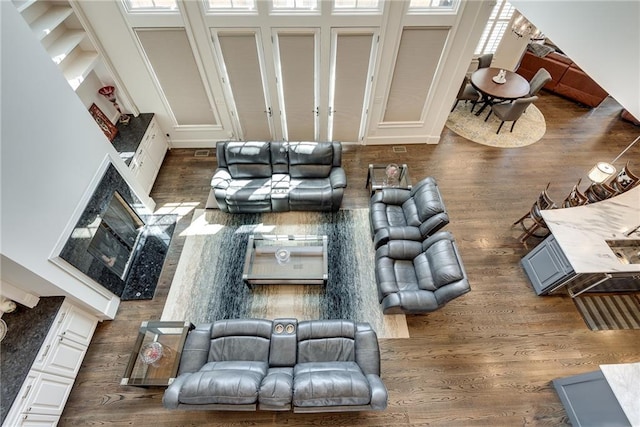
514,87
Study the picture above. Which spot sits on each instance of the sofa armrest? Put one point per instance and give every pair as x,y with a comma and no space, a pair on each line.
338,178
171,397
221,179
379,394
195,352
367,350
399,249
433,224
391,196
440,235
426,181
384,235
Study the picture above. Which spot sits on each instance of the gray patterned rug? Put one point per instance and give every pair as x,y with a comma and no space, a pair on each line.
208,284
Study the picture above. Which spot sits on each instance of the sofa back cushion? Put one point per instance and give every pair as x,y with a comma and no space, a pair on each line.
248,159
443,264
240,339
326,341
310,159
427,202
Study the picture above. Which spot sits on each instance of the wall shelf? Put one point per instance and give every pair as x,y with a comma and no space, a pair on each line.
53,17
64,45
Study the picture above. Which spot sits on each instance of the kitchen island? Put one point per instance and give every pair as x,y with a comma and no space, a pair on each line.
589,246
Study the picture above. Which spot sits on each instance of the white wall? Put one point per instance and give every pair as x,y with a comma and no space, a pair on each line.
601,36
51,151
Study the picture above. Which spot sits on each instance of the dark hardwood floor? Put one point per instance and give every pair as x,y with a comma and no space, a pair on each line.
486,359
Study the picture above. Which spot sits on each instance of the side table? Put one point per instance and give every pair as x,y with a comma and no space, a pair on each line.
156,354
377,179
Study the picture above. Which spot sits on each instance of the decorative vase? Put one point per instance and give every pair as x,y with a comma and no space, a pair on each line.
109,93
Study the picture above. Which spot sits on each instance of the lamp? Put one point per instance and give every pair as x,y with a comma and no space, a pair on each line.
109,93
603,170
521,27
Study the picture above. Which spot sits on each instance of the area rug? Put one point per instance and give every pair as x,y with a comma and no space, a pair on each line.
208,284
609,312
529,129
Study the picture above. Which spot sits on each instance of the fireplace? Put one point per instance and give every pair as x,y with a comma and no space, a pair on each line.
117,236
117,242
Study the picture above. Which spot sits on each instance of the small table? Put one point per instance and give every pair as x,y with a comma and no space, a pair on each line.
285,260
377,179
163,342
515,87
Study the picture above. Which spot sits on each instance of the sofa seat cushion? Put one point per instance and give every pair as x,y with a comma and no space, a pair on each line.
233,382
330,384
249,191
312,191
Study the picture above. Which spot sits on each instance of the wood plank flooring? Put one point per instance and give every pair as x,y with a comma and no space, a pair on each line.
486,359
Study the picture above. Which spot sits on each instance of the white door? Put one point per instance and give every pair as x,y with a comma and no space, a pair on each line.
352,59
239,57
297,78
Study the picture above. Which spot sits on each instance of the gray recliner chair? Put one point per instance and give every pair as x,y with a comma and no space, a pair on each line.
419,277
399,214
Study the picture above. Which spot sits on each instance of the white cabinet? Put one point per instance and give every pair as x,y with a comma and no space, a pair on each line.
149,156
48,384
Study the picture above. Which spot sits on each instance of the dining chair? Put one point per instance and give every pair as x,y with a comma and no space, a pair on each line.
539,79
575,197
597,192
623,180
467,93
535,216
511,112
484,61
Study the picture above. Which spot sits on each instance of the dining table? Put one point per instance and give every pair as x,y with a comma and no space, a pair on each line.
514,86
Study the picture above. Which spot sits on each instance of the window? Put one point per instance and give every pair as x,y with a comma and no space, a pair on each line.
151,5
294,6
230,6
496,26
357,6
431,6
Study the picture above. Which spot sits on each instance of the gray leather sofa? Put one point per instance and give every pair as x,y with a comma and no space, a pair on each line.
399,214
258,176
279,365
419,277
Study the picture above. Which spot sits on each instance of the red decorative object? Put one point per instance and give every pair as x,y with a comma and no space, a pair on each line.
105,124
109,92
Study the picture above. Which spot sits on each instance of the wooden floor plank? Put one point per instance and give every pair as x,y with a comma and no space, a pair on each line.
486,359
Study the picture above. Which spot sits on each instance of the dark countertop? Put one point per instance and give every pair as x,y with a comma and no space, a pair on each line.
26,330
129,136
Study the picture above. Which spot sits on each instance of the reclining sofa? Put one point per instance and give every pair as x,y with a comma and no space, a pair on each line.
257,176
279,365
419,277
415,214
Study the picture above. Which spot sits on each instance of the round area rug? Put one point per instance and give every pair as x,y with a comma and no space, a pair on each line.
529,128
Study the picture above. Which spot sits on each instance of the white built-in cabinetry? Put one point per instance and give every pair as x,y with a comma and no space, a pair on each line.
149,156
61,33
44,392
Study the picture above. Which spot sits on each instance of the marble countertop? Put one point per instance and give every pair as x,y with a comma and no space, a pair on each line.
129,136
26,330
582,232
623,379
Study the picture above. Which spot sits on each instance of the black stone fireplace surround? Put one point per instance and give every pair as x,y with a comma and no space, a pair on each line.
148,252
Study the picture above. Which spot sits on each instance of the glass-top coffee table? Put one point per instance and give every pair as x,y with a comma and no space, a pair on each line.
286,260
156,354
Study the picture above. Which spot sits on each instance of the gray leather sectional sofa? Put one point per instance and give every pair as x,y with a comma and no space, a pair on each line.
258,176
279,365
